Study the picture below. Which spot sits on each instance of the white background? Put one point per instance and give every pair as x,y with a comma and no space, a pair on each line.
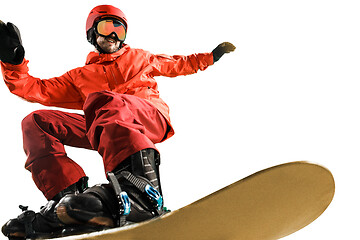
289,92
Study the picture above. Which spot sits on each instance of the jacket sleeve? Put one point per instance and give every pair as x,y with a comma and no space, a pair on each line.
57,92
172,66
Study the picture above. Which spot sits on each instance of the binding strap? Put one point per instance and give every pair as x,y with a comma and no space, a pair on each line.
27,217
122,197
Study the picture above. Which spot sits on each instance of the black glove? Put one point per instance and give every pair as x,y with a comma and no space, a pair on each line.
11,49
221,49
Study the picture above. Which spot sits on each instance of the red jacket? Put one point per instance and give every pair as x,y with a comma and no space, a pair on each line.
128,71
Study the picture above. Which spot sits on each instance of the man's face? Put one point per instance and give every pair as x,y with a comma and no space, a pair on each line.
109,44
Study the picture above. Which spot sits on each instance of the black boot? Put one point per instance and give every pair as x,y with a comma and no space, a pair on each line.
44,223
134,182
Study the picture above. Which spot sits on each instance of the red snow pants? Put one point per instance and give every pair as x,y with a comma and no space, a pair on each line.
115,125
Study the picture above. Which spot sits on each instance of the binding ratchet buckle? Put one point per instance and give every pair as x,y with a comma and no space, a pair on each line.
155,196
125,202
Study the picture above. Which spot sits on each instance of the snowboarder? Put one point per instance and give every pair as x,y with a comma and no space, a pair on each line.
123,119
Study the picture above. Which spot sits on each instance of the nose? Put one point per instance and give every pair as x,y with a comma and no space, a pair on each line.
113,35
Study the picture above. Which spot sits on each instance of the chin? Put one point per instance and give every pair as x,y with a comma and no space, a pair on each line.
114,50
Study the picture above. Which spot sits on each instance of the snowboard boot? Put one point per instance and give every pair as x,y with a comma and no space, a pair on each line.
44,223
132,195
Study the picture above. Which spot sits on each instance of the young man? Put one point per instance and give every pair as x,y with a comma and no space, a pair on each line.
124,118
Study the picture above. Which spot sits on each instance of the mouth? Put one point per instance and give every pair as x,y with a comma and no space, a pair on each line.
110,40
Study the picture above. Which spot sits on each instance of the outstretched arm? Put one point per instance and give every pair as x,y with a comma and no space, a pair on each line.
172,66
58,92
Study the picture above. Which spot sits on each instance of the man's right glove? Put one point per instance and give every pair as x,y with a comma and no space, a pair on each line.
11,49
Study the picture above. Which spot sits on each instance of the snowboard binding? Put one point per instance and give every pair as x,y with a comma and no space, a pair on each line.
42,224
132,195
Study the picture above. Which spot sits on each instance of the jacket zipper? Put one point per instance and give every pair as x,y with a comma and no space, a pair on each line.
110,78
113,75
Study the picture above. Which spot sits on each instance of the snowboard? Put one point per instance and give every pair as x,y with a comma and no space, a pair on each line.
269,204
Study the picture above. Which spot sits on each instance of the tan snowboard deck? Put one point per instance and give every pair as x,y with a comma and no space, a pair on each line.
269,204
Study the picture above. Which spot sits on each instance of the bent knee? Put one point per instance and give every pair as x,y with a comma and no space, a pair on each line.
38,118
31,119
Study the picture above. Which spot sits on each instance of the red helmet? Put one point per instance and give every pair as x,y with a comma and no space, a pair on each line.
104,11
100,12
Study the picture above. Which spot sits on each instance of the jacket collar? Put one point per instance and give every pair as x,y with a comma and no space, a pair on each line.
95,57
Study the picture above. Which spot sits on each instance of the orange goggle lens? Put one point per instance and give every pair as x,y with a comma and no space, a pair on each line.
109,26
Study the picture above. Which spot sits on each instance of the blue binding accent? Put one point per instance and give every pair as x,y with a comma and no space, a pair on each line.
125,203
155,196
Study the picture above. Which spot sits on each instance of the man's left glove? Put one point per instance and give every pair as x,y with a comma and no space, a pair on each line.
11,49
221,49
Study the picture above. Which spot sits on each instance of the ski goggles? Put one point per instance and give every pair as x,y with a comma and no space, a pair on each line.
108,26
